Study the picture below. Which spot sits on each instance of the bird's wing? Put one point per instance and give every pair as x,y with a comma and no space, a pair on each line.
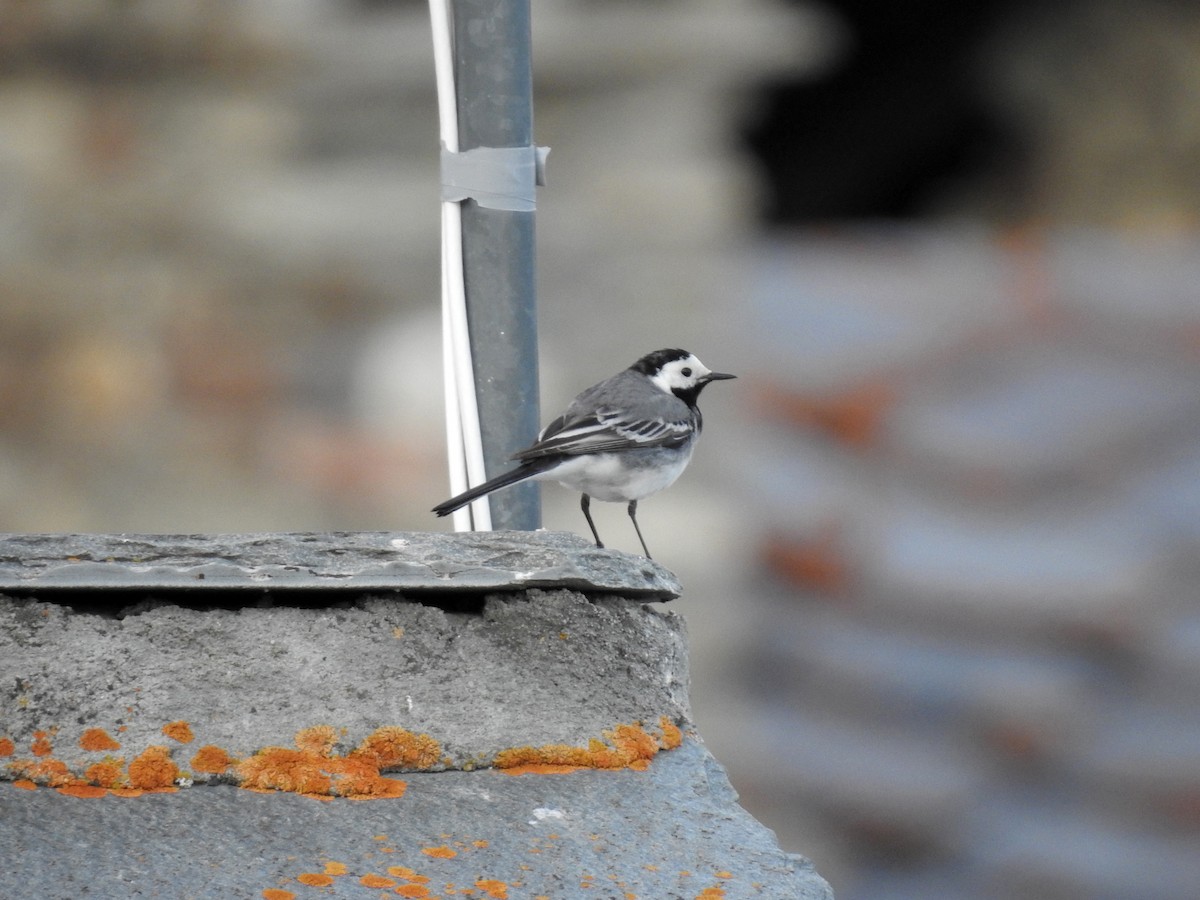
607,429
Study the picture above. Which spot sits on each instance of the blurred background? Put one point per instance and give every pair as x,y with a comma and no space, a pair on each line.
939,543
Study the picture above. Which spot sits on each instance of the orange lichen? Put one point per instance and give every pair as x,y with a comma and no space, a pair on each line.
153,769
672,736
372,880
629,747
87,791
277,768
25,784
211,760
41,745
407,874
336,868
107,773
97,739
442,852
50,772
314,879
277,894
412,890
313,774
392,747
318,740
493,888
716,892
7,747
725,875
179,731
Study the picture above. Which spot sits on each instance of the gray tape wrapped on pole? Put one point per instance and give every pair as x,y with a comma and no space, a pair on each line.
495,177
494,87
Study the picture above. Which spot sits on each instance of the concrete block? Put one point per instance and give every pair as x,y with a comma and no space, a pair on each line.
546,732
547,667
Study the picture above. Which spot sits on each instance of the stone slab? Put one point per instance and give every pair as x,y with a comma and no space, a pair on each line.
411,562
671,832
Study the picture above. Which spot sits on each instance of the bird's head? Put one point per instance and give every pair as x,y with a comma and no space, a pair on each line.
678,372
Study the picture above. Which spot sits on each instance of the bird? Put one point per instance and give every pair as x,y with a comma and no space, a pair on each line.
619,441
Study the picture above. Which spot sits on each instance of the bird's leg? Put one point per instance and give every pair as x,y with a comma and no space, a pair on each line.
585,504
633,516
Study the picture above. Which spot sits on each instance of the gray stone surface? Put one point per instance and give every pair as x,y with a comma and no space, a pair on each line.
520,668
665,834
530,669
413,562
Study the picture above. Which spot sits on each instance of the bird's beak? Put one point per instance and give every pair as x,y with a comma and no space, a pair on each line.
717,376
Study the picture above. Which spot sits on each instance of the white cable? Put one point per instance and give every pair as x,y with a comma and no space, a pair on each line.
464,441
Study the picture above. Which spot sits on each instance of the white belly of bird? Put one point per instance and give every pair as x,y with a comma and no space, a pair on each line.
619,478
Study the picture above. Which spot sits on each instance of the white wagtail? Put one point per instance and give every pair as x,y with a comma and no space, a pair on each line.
621,440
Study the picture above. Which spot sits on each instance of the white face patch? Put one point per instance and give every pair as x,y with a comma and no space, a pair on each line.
680,374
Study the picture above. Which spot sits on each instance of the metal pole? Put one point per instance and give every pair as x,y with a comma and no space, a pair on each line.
494,78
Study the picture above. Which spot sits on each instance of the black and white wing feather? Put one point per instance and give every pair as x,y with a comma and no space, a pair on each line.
634,415
607,430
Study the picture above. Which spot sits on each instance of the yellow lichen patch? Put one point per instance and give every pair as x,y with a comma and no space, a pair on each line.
318,740
7,747
716,892
392,747
280,769
628,747
97,739
359,780
50,772
336,868
315,774
41,745
633,742
153,769
493,888
540,769
412,890
314,879
372,880
277,894
179,731
211,760
672,736
86,791
407,874
563,755
442,852
107,773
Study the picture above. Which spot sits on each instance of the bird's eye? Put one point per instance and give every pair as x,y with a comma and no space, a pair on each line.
685,372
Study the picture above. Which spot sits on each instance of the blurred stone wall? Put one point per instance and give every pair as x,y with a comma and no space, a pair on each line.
938,542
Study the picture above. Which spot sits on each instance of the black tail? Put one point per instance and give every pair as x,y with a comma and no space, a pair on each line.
520,473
